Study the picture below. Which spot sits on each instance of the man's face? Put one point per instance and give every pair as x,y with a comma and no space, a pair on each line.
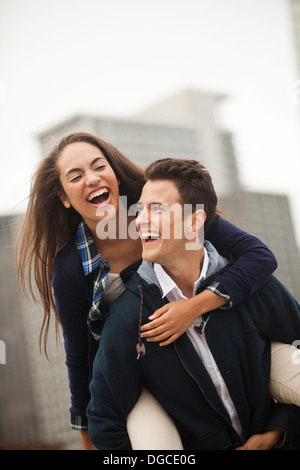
160,222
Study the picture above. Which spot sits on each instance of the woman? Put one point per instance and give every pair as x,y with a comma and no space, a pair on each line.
73,190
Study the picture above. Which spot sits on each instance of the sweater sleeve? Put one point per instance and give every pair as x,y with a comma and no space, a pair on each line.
72,308
253,262
115,387
287,418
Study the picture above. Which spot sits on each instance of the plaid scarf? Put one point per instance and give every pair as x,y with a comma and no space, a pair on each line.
93,261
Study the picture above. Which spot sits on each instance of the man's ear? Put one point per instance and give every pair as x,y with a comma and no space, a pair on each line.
194,224
64,199
198,219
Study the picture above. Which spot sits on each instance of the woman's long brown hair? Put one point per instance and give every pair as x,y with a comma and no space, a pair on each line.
48,224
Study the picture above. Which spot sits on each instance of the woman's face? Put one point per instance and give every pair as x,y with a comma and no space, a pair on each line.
88,180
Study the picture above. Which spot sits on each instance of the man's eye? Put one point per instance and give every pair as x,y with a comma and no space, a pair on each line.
157,208
138,208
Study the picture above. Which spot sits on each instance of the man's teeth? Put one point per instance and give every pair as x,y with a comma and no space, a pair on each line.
97,193
150,235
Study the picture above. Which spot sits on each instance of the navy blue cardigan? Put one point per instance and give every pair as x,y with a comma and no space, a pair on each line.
240,341
73,291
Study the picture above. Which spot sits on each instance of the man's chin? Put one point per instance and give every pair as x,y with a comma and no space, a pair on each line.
147,256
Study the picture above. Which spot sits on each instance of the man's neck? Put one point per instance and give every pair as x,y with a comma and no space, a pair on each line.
186,272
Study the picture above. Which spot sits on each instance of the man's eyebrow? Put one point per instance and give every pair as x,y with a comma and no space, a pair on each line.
159,203
73,170
139,203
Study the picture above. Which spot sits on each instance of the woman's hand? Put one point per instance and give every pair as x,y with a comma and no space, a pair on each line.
169,322
173,319
86,442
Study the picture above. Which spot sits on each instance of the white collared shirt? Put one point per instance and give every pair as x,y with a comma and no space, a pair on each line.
171,291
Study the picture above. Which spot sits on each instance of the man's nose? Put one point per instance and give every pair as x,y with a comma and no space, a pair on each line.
143,217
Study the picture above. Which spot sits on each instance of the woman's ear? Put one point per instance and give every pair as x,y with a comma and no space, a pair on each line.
64,199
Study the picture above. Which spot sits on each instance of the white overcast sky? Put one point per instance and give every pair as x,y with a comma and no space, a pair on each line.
113,57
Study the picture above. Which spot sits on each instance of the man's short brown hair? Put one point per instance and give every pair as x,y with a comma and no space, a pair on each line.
192,180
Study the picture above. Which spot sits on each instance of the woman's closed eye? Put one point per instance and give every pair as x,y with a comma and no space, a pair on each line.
74,178
100,167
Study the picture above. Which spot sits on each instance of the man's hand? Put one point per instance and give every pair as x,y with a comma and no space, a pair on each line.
262,441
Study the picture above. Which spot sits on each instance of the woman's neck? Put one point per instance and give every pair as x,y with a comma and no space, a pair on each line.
118,250
120,253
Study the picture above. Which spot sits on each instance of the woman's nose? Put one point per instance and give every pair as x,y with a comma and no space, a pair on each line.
92,177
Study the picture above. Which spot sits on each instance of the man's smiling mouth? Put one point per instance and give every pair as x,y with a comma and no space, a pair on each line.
149,237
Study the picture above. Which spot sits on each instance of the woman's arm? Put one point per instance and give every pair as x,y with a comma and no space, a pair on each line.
253,265
174,318
253,260
72,308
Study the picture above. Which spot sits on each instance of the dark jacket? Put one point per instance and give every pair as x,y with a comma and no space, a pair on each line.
73,291
239,340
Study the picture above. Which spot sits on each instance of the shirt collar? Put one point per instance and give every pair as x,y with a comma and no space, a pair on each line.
166,282
90,256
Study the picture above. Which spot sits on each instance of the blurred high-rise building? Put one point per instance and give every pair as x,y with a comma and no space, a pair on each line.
200,113
34,393
184,125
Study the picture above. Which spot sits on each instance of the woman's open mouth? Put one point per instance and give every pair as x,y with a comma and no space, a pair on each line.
100,196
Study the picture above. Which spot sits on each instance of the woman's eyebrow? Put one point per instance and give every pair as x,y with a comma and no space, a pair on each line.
74,170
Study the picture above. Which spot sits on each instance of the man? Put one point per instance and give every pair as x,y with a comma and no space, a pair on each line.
213,380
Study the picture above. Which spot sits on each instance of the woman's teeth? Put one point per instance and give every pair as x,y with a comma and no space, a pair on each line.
98,197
